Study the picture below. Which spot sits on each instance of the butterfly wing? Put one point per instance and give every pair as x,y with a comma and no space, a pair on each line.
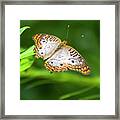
45,45
67,58
57,61
76,62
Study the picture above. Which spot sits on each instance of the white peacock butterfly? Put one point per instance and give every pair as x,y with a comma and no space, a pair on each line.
58,55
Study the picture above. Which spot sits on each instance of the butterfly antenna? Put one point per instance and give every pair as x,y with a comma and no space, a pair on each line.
67,31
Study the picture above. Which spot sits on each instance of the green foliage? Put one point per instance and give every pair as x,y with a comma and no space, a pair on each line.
66,96
27,53
26,63
37,83
23,29
26,56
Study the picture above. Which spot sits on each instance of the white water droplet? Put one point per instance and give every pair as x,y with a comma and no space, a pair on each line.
82,35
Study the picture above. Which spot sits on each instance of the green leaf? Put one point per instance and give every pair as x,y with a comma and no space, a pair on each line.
61,77
91,97
26,63
23,29
27,53
66,96
38,83
22,50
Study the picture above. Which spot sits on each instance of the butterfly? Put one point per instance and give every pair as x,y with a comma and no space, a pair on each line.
58,55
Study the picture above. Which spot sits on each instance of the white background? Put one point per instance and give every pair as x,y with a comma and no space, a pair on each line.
106,104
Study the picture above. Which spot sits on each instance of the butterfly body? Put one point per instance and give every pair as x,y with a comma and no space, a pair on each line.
57,55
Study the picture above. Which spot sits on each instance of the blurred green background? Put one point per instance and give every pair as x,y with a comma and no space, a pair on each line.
37,83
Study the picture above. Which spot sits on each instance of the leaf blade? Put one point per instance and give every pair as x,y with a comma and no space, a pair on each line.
27,53
26,63
23,29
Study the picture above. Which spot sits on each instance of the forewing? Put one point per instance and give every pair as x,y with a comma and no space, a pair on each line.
45,45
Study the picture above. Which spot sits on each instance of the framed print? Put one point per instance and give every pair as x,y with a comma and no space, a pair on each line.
60,60
74,68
